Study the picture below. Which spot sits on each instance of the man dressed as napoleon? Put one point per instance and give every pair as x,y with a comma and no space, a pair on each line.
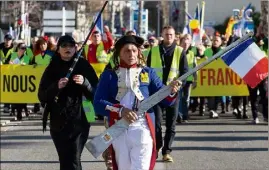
118,95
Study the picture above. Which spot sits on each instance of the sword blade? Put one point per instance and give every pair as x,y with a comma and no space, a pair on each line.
101,142
154,99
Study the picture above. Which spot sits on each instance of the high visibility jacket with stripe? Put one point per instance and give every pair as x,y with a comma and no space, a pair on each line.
102,57
25,59
156,63
3,57
45,59
101,54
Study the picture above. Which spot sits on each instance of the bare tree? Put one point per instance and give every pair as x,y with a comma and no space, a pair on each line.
264,17
165,5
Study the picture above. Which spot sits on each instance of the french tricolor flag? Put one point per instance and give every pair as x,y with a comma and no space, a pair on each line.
99,25
248,61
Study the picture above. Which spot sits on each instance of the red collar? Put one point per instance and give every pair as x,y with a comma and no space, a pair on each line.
124,65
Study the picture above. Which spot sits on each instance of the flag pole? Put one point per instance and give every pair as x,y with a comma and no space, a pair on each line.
202,19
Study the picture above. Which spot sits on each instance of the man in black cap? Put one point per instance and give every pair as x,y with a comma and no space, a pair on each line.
6,49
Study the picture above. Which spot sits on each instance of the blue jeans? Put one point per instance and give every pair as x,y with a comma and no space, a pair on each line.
184,100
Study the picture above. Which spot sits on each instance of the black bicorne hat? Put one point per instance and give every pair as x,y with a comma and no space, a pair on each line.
129,39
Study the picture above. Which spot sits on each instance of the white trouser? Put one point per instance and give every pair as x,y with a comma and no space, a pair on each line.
133,149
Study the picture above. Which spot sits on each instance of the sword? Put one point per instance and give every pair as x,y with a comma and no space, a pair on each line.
101,142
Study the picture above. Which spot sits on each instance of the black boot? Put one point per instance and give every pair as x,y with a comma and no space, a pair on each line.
227,107
19,115
201,111
239,115
179,119
222,108
245,116
36,108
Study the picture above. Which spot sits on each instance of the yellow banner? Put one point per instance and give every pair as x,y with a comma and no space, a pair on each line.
217,79
19,84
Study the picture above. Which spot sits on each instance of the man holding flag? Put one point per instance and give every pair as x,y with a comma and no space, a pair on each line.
97,52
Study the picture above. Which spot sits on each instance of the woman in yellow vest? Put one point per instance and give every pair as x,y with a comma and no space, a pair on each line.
185,92
42,56
19,57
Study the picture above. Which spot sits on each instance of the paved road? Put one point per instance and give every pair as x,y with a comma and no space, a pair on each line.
202,144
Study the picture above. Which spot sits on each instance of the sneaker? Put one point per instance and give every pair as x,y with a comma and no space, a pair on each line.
235,112
167,158
256,121
213,114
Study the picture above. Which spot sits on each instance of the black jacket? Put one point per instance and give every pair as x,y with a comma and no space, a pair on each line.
68,111
167,57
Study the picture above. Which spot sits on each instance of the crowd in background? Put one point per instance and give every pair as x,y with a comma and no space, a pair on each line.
41,50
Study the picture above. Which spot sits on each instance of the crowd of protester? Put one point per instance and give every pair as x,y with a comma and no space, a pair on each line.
41,51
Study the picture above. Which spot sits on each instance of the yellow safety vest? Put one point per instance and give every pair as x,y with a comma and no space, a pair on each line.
3,57
39,60
156,63
101,55
25,58
88,109
191,62
30,53
145,53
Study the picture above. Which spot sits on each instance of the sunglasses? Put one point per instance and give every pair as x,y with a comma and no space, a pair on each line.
64,45
23,48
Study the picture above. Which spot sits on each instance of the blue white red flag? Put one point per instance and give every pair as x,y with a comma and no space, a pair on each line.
99,25
248,61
